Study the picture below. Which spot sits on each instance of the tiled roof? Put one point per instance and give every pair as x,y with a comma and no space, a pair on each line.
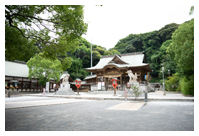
16,69
131,60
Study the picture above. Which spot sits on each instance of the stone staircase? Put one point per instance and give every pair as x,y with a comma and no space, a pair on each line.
150,88
65,90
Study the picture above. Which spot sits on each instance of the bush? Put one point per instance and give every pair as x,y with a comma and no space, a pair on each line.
173,83
187,85
155,80
135,90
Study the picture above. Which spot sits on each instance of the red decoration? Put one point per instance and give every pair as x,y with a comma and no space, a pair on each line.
78,83
114,82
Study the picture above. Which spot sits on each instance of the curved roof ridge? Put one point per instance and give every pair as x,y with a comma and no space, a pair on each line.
119,57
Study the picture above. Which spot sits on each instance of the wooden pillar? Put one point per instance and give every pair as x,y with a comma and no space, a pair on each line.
51,85
105,82
108,83
22,84
18,84
96,79
121,82
30,85
37,84
141,76
33,86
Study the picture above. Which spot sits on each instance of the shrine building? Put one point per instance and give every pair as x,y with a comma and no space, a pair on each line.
116,66
16,74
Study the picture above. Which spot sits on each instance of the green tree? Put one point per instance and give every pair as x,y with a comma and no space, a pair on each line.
187,85
165,33
84,54
96,57
55,27
162,57
44,69
172,84
182,52
98,48
191,10
150,44
111,52
182,47
82,58
83,41
16,46
76,70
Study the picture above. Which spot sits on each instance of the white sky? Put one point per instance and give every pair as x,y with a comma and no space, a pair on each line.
117,19
114,21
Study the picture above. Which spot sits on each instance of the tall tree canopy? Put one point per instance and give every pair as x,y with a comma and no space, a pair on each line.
182,51
165,33
16,46
82,58
182,46
149,43
44,69
55,27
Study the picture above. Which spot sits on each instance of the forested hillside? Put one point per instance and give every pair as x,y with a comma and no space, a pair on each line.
82,58
152,44
173,47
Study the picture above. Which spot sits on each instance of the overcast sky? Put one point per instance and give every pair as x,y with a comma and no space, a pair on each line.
114,21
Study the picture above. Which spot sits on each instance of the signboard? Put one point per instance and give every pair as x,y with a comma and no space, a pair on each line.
54,85
103,84
14,81
47,87
99,85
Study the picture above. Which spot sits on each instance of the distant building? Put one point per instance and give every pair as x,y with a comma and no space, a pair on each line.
16,74
116,66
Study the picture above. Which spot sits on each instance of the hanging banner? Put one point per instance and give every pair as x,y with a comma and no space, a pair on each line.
99,85
47,87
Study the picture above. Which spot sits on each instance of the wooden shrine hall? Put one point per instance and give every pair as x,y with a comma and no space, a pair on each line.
116,66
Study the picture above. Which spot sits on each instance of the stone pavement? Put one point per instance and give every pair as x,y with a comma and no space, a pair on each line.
108,95
28,101
99,116
127,106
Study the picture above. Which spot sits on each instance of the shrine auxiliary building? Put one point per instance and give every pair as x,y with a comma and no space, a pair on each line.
116,66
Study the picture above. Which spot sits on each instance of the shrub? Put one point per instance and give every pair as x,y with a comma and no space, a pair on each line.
135,90
173,83
187,85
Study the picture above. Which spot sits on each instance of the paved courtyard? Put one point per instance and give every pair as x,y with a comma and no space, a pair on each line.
61,114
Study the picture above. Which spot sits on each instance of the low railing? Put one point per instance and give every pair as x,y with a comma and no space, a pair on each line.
143,82
150,87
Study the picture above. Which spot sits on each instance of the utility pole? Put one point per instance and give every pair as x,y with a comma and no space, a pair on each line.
91,56
163,79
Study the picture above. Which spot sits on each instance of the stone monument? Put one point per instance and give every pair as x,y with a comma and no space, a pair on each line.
65,86
132,77
132,80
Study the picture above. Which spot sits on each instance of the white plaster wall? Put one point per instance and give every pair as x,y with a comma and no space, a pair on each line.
94,88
